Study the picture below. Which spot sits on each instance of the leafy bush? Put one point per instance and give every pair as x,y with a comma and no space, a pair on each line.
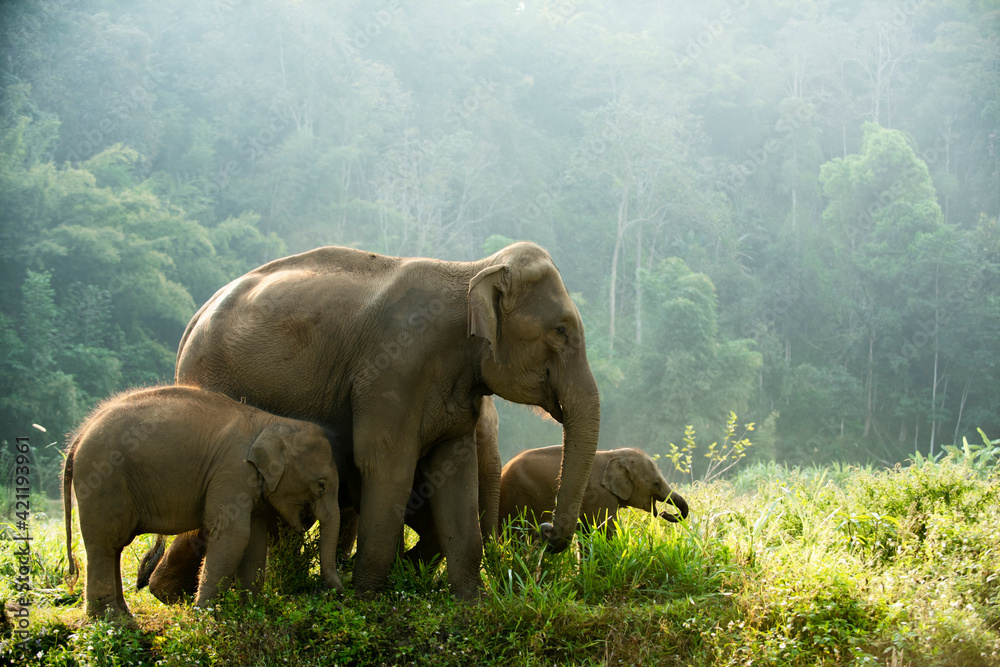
797,571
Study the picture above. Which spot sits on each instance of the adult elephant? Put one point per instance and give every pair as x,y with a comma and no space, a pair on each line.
395,355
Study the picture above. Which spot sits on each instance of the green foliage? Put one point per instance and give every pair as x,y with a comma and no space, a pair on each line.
743,227
821,413
102,643
685,377
107,273
894,507
721,458
797,570
816,245
906,274
880,197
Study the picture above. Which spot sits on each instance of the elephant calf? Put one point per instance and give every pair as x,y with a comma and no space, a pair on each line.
624,477
173,459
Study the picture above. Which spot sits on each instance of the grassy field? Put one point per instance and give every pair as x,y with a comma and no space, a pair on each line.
830,566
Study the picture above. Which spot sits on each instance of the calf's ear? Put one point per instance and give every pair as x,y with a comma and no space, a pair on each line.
617,478
268,454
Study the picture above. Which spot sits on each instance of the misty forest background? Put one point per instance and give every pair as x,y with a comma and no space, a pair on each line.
783,209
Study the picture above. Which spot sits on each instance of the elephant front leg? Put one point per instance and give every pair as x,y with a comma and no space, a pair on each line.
252,568
228,539
451,486
385,492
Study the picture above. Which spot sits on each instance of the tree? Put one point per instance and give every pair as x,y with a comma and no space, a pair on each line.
35,388
902,267
684,373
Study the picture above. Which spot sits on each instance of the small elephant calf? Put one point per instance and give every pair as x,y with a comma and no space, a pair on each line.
172,459
618,478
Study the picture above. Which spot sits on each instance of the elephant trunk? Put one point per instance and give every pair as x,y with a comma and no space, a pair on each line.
677,501
581,407
328,512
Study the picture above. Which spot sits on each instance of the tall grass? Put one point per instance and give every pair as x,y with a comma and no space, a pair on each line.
779,566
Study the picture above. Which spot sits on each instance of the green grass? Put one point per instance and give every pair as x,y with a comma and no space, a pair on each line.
779,566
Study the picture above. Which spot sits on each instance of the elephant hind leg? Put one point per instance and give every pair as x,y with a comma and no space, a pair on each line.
348,533
149,562
103,591
104,542
427,550
175,577
456,515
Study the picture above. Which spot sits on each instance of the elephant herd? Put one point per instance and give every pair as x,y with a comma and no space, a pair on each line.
353,389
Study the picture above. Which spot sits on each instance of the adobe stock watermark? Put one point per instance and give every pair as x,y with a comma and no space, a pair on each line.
864,223
21,616
94,140
250,148
389,350
456,116
788,296
902,11
714,29
484,90
432,477
238,509
950,305
362,36
135,435
583,156
224,6
562,10
787,124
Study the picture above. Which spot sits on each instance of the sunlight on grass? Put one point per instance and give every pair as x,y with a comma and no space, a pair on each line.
776,567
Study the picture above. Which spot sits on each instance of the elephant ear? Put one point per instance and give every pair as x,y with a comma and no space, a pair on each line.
268,455
484,319
617,478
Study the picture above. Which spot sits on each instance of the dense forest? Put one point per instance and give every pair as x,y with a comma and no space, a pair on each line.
787,210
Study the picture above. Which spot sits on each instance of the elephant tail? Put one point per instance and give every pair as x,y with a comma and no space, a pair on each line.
68,504
148,563
677,501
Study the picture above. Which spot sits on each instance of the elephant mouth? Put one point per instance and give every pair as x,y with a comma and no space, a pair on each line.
667,515
299,515
556,411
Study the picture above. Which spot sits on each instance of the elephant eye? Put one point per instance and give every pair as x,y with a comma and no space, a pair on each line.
561,330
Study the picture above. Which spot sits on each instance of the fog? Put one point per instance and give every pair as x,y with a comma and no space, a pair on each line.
783,210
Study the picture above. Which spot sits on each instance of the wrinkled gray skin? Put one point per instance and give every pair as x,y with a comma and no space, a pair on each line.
420,516
625,477
172,575
172,459
395,356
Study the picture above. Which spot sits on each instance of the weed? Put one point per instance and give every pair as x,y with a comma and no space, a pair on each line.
721,458
781,566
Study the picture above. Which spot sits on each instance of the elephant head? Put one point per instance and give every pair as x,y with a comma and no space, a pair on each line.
636,480
296,463
535,353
